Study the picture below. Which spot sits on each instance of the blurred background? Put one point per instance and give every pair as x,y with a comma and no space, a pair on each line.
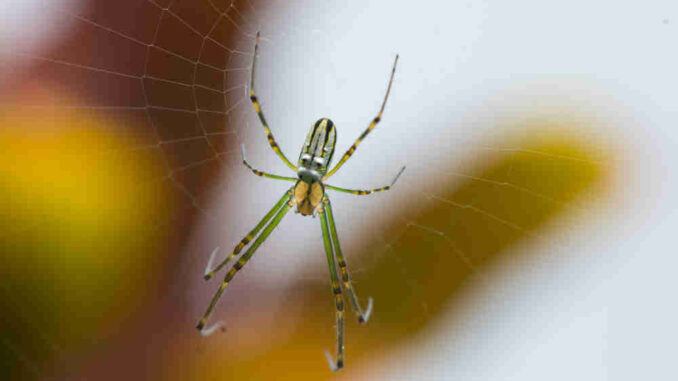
531,236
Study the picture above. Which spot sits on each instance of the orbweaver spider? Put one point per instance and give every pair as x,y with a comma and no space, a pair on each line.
308,194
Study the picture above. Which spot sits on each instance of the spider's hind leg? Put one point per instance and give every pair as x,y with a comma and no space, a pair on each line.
362,317
336,291
286,202
209,272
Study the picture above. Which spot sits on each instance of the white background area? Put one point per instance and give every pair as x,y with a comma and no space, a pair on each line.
29,26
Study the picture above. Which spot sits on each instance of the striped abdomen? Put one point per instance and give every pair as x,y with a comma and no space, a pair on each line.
316,153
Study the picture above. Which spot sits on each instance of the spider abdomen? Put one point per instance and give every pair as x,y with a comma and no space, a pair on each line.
307,196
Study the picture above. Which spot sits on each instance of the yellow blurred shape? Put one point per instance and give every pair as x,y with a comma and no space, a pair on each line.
61,167
80,226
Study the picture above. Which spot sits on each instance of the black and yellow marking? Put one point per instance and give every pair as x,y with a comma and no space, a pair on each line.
374,123
250,235
322,127
366,192
358,192
360,316
260,113
263,174
280,209
336,289
320,142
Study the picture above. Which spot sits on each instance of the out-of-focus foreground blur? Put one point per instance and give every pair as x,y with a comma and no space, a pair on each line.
530,237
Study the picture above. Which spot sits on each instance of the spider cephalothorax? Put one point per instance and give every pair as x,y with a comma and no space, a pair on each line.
309,195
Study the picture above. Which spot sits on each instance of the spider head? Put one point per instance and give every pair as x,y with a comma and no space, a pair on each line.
316,153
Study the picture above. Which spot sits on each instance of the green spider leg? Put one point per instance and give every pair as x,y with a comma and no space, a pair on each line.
362,317
336,291
366,192
257,108
362,136
209,271
284,205
264,174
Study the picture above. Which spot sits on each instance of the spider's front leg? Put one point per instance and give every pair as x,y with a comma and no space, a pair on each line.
260,113
373,124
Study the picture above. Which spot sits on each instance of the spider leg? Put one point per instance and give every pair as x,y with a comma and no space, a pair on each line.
209,272
369,128
364,192
336,291
257,108
214,327
248,254
263,174
360,315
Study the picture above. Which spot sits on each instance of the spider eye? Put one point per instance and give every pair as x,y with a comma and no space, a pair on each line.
319,160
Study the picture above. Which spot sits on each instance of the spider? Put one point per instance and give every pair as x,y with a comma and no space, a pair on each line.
308,194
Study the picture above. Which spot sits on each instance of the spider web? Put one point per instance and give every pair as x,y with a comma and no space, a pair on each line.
170,88
173,77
